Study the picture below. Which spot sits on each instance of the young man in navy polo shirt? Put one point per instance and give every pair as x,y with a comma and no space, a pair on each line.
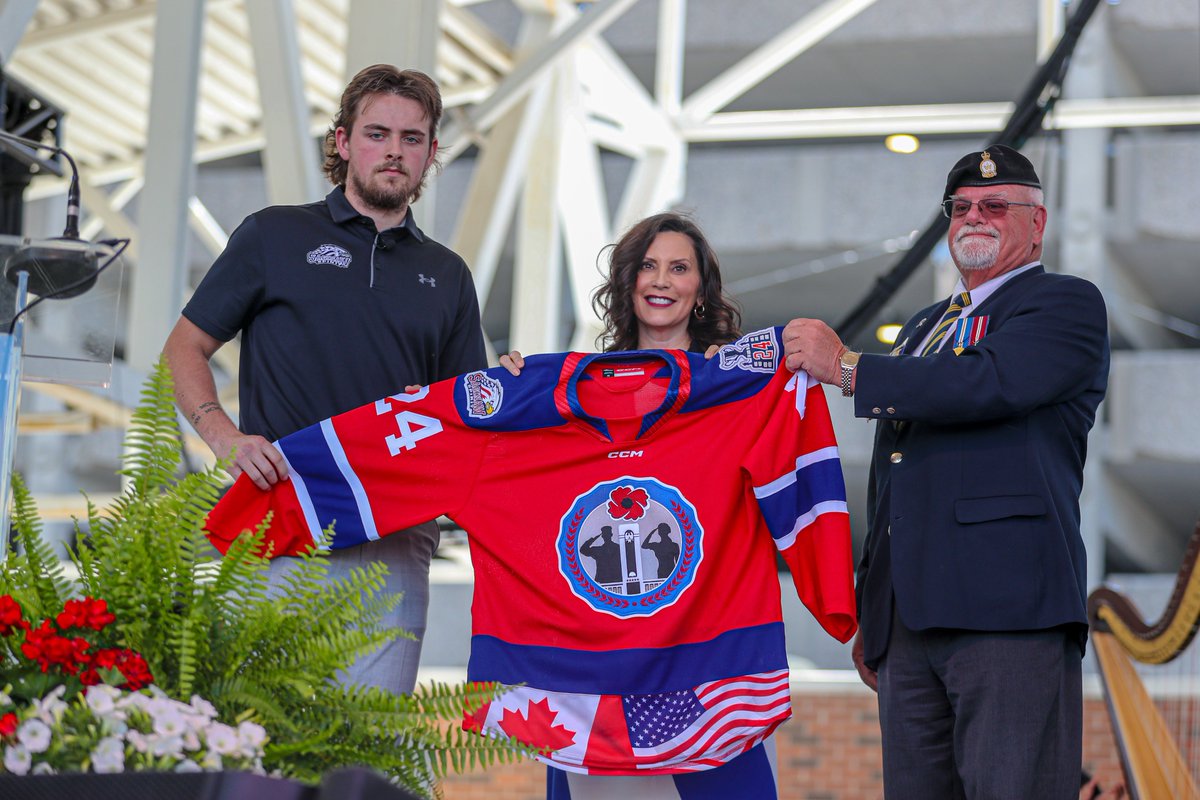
339,303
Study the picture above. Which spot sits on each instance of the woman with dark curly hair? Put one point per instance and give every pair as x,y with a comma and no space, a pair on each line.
663,292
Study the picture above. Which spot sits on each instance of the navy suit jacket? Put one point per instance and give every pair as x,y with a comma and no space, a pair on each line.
973,496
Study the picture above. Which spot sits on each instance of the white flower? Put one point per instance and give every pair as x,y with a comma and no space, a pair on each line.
50,708
42,768
187,765
223,739
17,759
252,737
5,700
191,740
203,707
102,700
139,740
169,722
159,706
166,746
212,761
109,755
34,734
135,700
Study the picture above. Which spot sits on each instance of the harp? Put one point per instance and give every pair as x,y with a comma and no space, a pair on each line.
1157,763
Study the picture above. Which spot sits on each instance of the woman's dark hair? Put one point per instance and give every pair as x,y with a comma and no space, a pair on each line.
613,302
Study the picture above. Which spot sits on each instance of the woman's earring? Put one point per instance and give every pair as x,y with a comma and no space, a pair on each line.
699,310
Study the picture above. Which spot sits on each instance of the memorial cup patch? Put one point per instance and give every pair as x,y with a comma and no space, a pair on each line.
484,394
754,352
630,547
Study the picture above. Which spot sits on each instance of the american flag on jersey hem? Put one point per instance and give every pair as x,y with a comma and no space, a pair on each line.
708,725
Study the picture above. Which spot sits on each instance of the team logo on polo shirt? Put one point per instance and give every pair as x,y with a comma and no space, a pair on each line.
754,352
330,254
630,547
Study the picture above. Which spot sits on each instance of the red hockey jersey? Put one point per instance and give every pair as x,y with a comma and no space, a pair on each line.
623,512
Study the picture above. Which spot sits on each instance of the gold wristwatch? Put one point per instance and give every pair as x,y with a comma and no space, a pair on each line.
849,362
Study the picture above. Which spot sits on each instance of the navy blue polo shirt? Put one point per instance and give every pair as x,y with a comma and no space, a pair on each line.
333,314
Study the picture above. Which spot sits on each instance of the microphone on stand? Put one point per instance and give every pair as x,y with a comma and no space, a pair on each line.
66,268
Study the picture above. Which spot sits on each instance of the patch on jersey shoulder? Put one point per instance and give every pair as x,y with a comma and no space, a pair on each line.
484,394
630,547
754,352
330,254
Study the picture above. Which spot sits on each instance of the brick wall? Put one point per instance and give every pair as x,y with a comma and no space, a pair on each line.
829,750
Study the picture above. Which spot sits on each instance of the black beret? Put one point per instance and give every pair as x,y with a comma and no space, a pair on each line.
997,165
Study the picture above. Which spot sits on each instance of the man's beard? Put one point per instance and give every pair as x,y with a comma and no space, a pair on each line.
973,253
387,197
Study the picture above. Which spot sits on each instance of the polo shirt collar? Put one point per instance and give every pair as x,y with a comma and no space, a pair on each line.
341,212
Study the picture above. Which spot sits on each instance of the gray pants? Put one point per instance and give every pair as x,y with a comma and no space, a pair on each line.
981,715
407,554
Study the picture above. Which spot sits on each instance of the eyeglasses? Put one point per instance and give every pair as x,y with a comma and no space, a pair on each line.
957,207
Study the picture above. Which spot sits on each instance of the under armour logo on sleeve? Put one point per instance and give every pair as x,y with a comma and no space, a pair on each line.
432,283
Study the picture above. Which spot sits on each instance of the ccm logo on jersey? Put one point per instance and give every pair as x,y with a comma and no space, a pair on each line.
625,454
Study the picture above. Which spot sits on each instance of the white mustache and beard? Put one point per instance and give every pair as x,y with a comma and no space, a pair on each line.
975,252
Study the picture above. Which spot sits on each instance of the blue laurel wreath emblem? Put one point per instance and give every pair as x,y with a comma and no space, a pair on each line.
630,546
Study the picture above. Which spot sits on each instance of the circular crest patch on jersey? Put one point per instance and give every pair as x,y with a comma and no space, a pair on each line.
630,546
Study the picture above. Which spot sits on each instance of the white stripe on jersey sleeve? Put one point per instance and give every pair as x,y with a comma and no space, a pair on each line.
356,487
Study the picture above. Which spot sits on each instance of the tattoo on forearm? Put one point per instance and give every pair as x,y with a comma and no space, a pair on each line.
205,408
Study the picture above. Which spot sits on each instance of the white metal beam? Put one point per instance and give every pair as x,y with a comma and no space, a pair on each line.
751,70
400,32
537,270
487,208
15,16
520,80
140,16
1051,20
817,123
117,200
98,205
582,204
157,285
289,152
668,71
205,226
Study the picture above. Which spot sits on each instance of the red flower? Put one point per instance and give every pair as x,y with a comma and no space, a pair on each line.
134,669
129,663
44,645
10,614
85,613
8,725
625,502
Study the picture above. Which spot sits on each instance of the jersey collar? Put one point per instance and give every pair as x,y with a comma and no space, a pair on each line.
566,394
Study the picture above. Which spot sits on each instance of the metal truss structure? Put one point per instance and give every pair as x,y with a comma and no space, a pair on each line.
154,88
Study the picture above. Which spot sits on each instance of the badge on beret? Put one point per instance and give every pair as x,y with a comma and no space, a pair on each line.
987,167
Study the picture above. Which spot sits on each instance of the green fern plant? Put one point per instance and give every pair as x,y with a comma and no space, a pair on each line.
208,626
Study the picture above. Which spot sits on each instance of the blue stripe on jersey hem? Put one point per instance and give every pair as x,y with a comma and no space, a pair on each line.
330,494
642,670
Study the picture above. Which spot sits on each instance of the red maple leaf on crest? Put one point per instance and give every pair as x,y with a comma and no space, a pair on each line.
537,729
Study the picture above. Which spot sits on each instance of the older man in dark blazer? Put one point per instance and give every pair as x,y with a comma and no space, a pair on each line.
972,578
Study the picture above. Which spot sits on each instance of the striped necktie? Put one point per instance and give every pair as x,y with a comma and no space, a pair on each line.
957,304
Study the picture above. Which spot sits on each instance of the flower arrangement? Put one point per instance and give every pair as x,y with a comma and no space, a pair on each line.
201,626
72,704
64,651
106,729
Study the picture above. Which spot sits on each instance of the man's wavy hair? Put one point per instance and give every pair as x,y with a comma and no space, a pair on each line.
380,79
613,301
